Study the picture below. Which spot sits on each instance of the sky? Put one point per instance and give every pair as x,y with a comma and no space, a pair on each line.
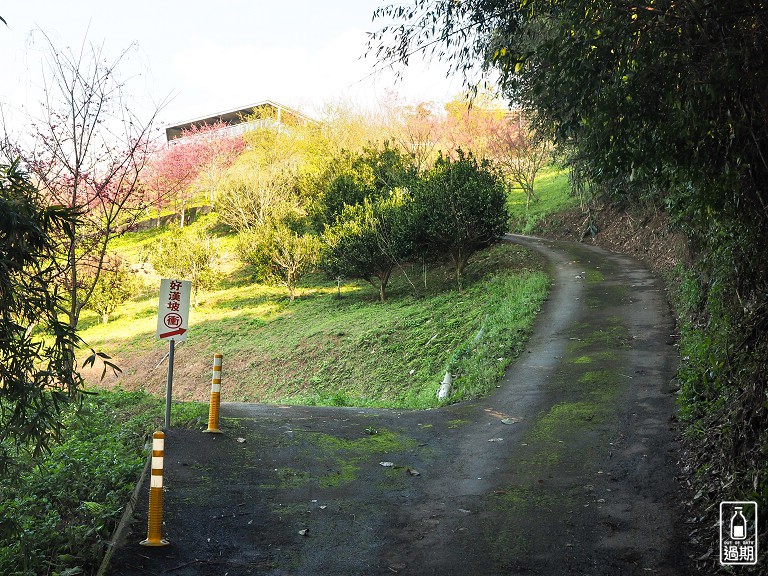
206,57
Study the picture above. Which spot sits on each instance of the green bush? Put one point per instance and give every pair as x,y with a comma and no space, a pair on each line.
370,239
460,206
116,285
353,178
278,254
190,253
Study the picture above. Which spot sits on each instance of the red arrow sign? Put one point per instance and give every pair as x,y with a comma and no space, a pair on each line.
177,332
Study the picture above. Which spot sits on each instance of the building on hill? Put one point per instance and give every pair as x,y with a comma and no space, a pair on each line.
264,114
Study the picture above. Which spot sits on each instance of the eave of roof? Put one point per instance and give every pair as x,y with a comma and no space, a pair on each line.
239,111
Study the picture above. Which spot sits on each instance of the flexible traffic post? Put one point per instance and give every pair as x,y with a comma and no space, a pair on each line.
155,516
213,410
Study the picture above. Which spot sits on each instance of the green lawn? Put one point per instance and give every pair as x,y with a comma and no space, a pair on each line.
552,188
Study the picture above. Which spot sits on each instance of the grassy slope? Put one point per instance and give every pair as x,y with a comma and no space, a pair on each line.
553,189
328,350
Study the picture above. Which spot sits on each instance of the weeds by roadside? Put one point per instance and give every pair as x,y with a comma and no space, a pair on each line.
57,513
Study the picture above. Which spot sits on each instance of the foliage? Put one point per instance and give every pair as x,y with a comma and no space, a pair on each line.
369,240
418,130
86,151
369,174
663,103
345,126
279,254
196,161
188,253
521,153
36,347
664,100
261,186
460,208
473,125
59,512
554,196
115,285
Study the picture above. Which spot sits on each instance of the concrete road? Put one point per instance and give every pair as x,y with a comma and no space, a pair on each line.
569,468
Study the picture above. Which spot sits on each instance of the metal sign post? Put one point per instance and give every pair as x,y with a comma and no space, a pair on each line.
169,386
172,325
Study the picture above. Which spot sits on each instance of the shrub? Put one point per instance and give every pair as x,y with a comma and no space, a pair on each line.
278,254
460,206
116,284
189,253
369,240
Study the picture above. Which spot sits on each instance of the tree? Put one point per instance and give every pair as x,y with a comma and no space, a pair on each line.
661,103
470,124
261,186
115,285
371,173
219,151
169,176
667,97
189,253
86,153
292,256
345,126
368,240
460,208
196,161
521,152
280,254
418,131
36,347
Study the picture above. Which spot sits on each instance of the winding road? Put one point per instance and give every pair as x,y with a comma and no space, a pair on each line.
569,468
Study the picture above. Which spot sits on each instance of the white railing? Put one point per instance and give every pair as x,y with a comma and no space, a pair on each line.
230,130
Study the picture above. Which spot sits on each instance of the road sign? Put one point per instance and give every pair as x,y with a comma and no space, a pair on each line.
173,313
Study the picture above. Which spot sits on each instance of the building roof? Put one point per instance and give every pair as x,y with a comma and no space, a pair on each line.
282,115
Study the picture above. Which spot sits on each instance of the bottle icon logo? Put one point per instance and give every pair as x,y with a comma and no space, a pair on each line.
738,525
738,533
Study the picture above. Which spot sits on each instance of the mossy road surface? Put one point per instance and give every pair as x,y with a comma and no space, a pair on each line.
569,468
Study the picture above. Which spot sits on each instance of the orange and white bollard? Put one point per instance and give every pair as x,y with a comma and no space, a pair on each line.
155,516
213,411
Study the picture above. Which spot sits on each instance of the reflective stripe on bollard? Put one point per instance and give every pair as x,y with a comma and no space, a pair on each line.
155,516
213,411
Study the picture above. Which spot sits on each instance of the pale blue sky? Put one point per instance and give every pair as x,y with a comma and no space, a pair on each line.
212,56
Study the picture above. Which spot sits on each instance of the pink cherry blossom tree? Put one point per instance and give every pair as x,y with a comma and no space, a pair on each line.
86,149
193,164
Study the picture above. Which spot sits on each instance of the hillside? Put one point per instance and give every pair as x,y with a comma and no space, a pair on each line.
335,344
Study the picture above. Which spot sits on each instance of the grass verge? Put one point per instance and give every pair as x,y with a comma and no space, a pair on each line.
59,511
